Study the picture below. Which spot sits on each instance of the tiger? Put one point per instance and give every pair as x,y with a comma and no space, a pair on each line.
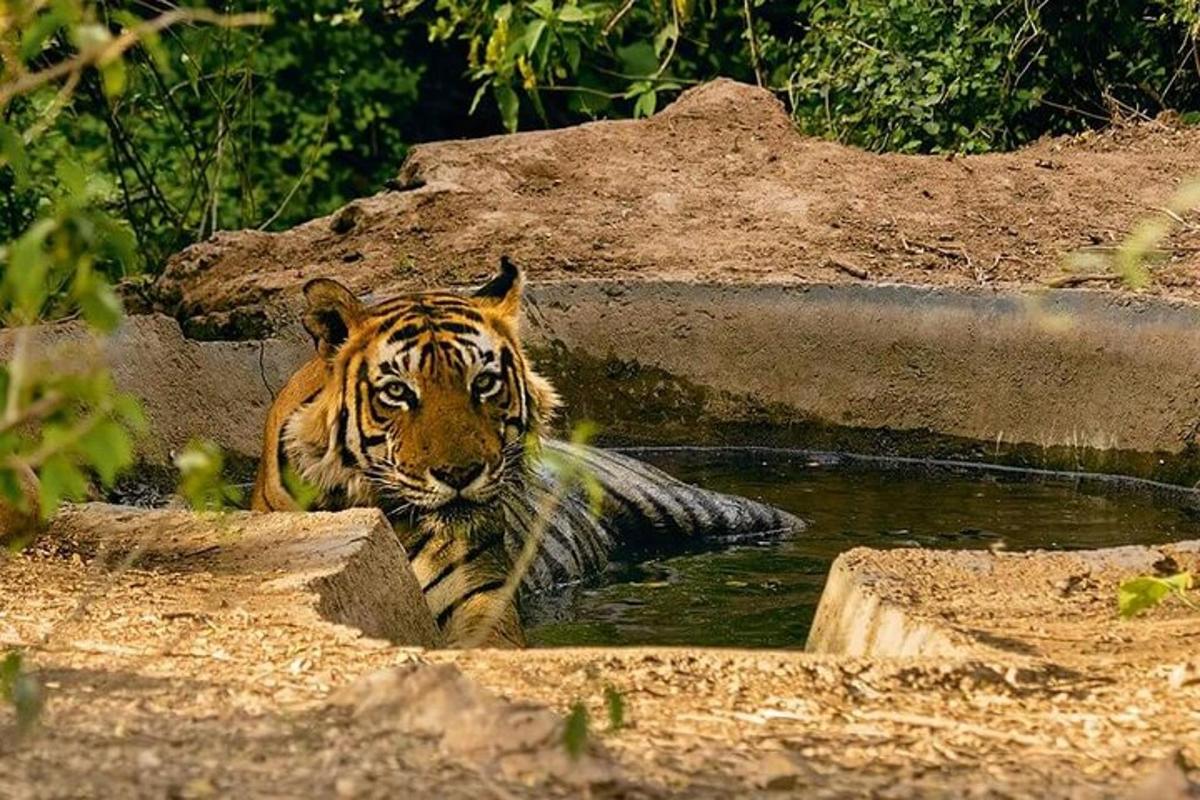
426,406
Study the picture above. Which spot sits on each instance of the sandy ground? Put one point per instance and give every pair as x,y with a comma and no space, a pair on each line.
717,187
190,684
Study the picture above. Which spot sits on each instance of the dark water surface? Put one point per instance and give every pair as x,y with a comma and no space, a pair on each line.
765,596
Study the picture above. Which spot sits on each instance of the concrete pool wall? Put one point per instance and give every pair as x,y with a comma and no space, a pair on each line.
1062,378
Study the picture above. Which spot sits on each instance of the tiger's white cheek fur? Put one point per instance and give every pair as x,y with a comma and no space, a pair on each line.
311,447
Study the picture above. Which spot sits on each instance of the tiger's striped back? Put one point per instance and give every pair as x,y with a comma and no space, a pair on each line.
642,511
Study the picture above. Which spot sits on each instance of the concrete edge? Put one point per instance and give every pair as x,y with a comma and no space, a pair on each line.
973,603
349,564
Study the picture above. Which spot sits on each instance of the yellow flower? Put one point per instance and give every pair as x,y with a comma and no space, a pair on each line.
497,44
530,79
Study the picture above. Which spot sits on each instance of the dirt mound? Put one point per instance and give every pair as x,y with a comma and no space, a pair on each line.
719,186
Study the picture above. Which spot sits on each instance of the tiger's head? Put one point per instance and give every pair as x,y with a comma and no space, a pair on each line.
428,405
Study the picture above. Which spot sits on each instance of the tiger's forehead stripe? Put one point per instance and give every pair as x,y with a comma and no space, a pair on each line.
426,305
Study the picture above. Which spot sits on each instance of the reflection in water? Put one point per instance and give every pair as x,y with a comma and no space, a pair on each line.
765,596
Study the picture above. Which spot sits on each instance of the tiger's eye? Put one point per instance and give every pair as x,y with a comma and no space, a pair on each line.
398,394
485,384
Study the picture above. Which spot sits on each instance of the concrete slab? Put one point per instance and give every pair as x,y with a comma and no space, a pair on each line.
348,566
1037,605
215,390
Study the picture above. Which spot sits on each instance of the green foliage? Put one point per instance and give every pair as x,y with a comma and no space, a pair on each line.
571,472
64,260
202,478
1136,595
202,128
575,730
906,75
20,690
911,76
614,702
62,419
300,490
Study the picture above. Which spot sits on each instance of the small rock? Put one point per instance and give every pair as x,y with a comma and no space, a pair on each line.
1168,780
345,220
776,771
148,760
345,786
523,740
196,789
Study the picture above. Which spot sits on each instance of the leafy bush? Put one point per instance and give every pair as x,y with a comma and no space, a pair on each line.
62,423
218,128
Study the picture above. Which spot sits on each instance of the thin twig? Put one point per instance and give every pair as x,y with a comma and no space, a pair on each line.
40,409
1067,281
312,163
615,18
547,508
953,726
758,78
850,269
105,53
674,40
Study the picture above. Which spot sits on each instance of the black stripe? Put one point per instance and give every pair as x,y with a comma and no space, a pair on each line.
458,563
408,331
348,459
611,483
454,327
482,588
281,458
687,523
415,551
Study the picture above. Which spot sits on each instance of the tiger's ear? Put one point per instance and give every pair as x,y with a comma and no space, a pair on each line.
503,292
330,313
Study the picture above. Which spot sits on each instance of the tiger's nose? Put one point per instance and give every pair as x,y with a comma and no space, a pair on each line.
457,477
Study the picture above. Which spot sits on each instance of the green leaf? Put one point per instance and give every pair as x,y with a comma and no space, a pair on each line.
202,483
10,487
573,14
1136,595
668,33
10,668
12,150
22,690
645,105
303,492
100,305
573,53
34,37
614,701
74,178
479,93
129,410
90,34
113,77
508,103
108,450
28,267
533,33
59,480
638,59
575,731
